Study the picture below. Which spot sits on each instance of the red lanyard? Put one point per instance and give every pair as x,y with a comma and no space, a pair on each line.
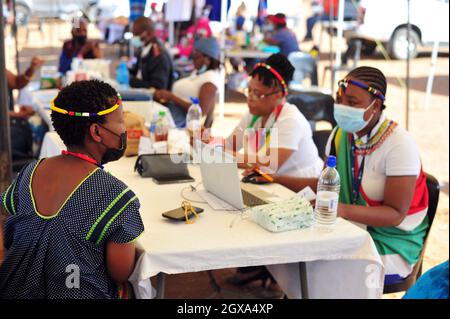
83,157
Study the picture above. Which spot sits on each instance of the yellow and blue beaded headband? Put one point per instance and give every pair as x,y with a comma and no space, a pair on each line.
343,84
54,108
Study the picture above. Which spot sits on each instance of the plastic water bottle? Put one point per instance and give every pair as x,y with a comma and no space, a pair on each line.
123,77
327,198
194,118
161,128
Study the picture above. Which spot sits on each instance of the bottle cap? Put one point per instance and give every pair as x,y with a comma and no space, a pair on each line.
195,100
331,162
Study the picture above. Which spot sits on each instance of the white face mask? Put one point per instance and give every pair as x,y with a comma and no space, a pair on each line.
351,119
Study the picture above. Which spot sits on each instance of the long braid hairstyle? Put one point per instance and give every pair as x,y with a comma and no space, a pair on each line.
372,76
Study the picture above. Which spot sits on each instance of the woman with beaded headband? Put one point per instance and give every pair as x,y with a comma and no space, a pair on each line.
272,134
382,182
65,214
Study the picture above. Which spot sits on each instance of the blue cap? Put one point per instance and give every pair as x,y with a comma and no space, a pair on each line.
194,100
331,162
209,47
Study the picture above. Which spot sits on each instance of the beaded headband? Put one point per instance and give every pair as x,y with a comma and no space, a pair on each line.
343,84
54,108
277,75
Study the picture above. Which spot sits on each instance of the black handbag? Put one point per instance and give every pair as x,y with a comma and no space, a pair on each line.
157,165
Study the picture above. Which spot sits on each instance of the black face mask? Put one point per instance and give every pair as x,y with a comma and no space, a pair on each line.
114,154
81,39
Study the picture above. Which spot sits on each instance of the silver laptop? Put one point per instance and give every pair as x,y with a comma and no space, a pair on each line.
221,178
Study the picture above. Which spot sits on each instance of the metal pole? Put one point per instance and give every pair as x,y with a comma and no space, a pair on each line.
5,140
303,280
223,22
408,58
16,36
434,55
340,33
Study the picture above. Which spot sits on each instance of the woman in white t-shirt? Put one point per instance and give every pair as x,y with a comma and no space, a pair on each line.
202,84
273,133
383,185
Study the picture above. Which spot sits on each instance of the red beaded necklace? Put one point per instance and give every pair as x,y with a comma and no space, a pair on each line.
84,157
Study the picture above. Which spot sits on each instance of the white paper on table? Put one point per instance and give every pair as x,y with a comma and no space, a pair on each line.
307,193
213,201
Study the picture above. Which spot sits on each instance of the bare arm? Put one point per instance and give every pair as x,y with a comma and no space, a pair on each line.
120,260
398,194
283,155
16,81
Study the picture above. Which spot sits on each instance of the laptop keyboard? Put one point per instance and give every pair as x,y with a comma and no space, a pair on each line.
251,200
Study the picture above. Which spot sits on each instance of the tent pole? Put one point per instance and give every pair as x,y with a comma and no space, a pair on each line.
408,60
223,22
5,140
434,55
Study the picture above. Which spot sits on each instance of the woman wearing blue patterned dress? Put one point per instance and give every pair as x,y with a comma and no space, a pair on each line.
71,227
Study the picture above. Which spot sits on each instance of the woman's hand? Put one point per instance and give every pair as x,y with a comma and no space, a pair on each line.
253,168
163,96
36,63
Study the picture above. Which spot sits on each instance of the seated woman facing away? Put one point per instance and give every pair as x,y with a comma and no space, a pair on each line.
71,225
273,133
202,83
382,182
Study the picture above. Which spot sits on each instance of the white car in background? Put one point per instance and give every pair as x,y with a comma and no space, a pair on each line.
386,21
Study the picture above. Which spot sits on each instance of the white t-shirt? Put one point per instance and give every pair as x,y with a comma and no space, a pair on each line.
145,51
290,131
190,86
397,156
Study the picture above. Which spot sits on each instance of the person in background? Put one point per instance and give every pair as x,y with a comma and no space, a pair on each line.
203,83
383,185
153,69
66,215
78,46
18,82
281,36
321,10
21,133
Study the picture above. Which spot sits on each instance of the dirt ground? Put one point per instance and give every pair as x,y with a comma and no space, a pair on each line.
429,127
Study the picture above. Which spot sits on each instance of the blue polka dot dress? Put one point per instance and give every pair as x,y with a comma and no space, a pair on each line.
64,255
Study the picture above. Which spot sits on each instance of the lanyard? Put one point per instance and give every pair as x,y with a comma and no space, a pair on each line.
276,112
83,157
357,172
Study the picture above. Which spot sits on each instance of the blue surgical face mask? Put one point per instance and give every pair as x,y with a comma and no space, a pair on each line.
351,119
136,42
203,69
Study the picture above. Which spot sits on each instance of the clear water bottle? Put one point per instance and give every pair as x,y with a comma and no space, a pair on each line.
194,119
123,78
161,128
327,198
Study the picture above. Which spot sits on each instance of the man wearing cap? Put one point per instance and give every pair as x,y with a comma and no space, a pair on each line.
202,83
282,37
153,69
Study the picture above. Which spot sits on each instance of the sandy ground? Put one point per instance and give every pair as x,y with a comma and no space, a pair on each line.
429,127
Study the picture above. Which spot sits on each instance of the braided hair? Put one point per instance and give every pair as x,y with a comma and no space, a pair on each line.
372,76
281,64
84,96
